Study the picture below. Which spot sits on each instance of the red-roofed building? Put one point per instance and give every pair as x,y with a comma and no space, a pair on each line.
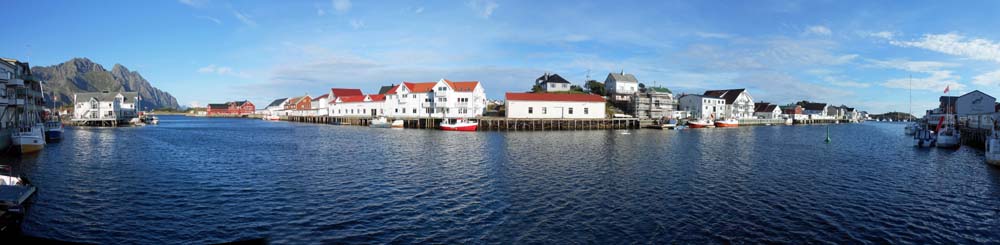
231,108
358,106
441,99
555,105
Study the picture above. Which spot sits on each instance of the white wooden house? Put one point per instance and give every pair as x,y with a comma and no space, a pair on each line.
105,106
552,105
702,107
441,99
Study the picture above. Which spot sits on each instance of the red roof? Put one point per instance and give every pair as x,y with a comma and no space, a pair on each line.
420,87
555,97
353,98
464,86
321,97
338,92
392,90
377,97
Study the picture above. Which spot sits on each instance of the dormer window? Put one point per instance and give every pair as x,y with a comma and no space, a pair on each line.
442,88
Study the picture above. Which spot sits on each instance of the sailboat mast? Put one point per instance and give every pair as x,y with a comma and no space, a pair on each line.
911,96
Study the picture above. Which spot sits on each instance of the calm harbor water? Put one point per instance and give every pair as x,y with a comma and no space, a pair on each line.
198,180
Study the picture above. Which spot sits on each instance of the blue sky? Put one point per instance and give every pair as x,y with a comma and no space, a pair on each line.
858,53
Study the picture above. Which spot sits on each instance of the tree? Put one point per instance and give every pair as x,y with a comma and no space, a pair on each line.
575,88
642,87
595,87
536,89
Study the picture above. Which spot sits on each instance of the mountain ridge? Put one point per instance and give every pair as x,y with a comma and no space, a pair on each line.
83,75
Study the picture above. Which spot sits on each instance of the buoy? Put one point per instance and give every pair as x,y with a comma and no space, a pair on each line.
827,133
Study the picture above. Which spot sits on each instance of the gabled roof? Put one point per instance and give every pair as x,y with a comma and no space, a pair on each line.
463,86
551,78
321,97
296,100
351,99
622,77
421,87
815,106
109,96
218,106
554,97
386,89
729,95
377,97
700,96
338,92
764,107
240,103
277,102
977,91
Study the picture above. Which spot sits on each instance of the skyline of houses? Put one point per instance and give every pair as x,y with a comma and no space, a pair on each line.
553,97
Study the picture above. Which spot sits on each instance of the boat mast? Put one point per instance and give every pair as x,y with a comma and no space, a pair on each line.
911,97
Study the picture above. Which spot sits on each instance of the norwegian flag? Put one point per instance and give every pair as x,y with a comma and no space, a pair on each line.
946,88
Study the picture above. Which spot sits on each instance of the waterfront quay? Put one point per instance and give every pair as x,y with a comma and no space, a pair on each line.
485,123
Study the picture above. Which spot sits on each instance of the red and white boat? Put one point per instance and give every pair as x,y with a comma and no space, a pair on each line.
728,123
700,123
459,125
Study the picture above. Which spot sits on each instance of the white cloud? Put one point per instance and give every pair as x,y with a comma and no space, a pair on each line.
216,21
712,35
320,12
839,81
194,3
958,45
357,24
418,10
913,66
221,70
342,6
818,30
938,77
485,8
882,34
988,79
245,19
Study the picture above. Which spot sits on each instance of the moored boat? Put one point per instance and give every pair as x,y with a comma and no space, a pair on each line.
397,124
380,122
459,124
993,148
53,130
910,129
948,137
727,123
16,194
923,137
271,118
28,139
700,123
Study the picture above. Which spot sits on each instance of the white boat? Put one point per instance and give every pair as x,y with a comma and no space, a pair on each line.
948,137
380,122
923,137
29,139
910,129
16,194
993,148
701,123
154,120
271,118
397,124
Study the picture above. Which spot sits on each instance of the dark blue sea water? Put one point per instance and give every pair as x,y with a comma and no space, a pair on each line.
197,180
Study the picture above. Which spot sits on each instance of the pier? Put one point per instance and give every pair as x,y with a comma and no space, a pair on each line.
485,124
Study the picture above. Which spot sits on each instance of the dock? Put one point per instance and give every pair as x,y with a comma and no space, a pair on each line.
485,123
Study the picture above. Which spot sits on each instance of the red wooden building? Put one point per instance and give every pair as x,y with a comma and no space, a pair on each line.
231,108
299,103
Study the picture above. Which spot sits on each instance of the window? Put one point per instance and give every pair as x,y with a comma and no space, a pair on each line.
571,110
545,110
442,88
430,110
586,110
397,110
414,110
531,110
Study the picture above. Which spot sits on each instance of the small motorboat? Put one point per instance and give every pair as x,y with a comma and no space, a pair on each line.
669,124
459,124
727,123
948,137
153,120
28,139
924,137
397,124
53,130
993,148
700,123
271,118
380,122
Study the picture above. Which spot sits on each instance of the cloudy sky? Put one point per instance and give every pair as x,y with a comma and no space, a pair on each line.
859,53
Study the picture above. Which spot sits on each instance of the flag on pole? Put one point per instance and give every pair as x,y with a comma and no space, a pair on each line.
946,88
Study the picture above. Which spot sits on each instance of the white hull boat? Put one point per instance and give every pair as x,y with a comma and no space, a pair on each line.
910,129
993,148
28,139
949,137
923,137
380,123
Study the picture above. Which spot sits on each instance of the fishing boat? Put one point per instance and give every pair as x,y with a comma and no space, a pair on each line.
459,124
701,123
380,122
948,137
153,120
16,194
993,147
28,139
397,124
727,123
924,137
53,130
271,118
669,124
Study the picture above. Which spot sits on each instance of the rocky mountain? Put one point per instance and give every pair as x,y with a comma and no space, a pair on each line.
83,75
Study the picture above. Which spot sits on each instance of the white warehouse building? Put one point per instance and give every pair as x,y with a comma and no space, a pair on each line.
552,105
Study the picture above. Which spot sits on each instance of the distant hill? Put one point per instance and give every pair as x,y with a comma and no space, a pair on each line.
895,116
83,75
